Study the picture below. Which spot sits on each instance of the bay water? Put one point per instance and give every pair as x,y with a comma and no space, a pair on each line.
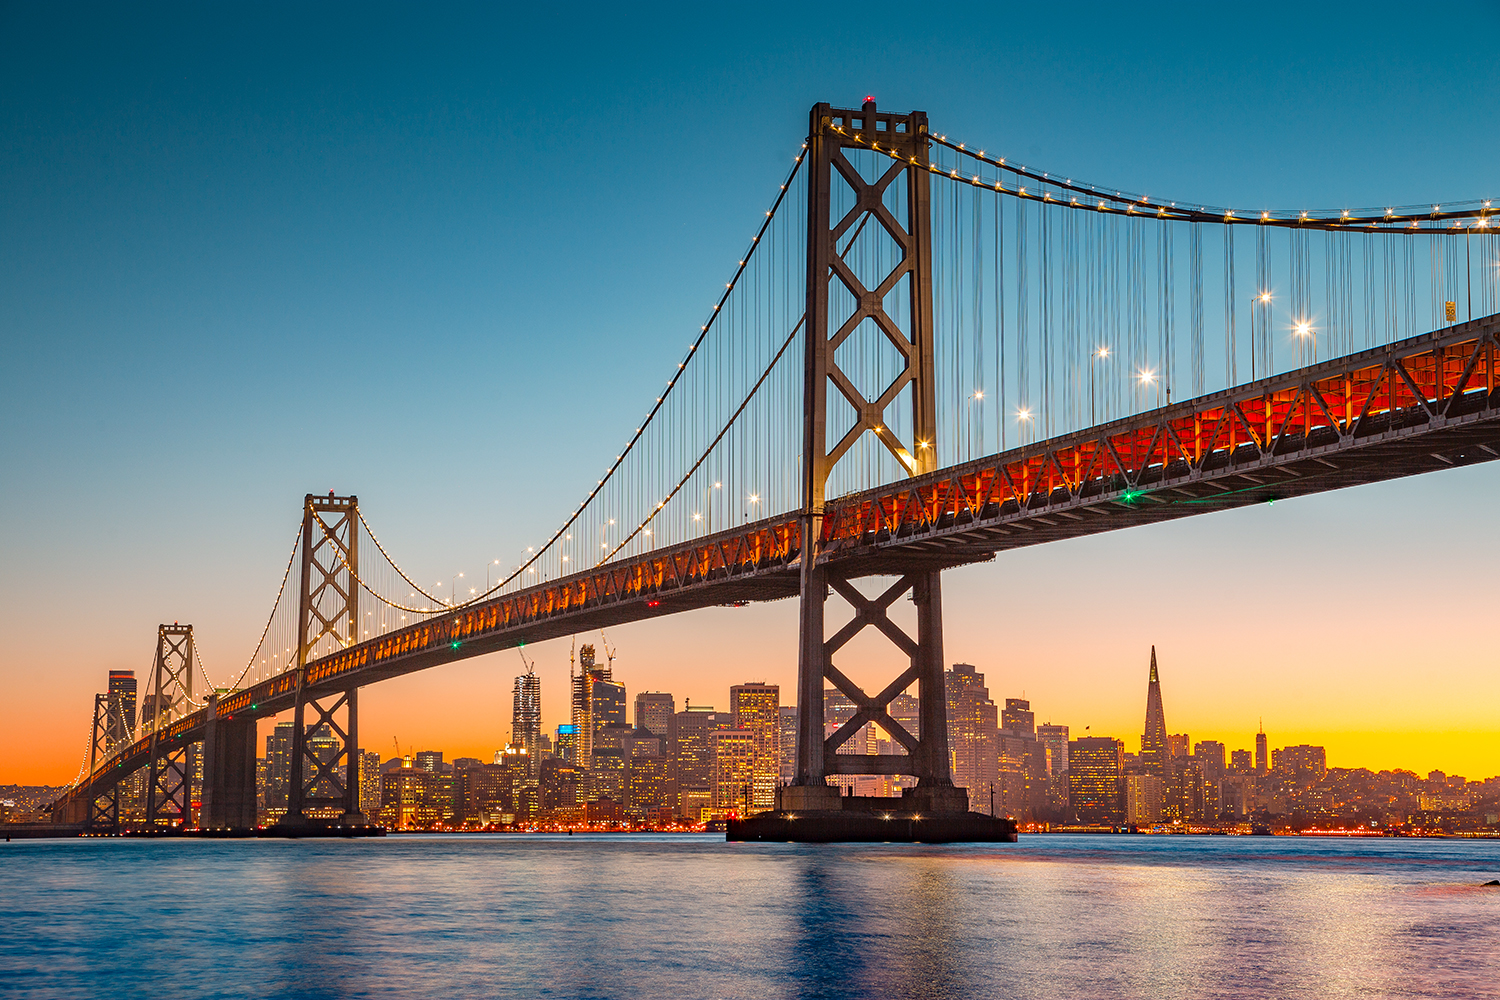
656,916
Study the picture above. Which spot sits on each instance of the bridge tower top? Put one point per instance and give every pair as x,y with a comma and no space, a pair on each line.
861,305
329,593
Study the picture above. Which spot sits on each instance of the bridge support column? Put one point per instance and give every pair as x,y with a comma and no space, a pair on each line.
229,792
323,785
168,782
869,155
926,755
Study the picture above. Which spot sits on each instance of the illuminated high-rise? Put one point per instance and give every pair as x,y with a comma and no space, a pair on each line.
1055,740
597,702
1095,766
1262,755
735,755
526,716
756,708
656,711
694,751
119,723
1156,754
973,734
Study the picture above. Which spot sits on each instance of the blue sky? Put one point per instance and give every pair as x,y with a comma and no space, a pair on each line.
440,258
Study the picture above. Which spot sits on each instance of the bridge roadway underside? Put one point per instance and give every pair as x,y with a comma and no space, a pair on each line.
1423,405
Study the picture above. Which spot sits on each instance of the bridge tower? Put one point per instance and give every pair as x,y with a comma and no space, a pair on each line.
324,778
834,133
104,803
170,697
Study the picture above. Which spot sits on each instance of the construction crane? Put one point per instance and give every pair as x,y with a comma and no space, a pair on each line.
609,651
530,665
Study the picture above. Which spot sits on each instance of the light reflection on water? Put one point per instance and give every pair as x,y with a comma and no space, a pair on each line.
691,916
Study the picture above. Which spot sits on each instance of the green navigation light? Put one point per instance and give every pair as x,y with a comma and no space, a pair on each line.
1131,496
254,707
455,644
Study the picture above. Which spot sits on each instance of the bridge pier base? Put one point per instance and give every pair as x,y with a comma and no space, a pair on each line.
323,789
812,811
229,792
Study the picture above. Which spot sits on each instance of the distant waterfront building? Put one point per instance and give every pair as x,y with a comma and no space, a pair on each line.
369,784
1240,762
693,800
597,702
1143,799
657,711
973,734
477,794
566,744
413,798
1210,757
430,761
756,708
1055,740
1156,753
562,786
278,769
696,725
1262,758
526,715
1022,768
1179,745
1095,764
608,773
735,759
647,785
1018,717
1301,764
786,731
1186,799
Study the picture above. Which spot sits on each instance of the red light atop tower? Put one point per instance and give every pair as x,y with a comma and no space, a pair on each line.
869,99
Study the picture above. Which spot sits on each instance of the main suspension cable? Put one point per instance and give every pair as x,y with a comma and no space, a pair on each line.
1408,219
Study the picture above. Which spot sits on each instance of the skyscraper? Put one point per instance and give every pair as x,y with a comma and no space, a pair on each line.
973,734
757,709
1262,756
788,740
696,725
735,753
657,711
119,725
597,702
566,744
369,783
1094,770
278,768
1055,739
1156,756
526,716
1018,717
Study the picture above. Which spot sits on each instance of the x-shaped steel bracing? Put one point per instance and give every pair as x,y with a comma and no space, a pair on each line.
871,612
870,304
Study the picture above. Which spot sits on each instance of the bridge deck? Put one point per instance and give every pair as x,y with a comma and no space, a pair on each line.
1421,405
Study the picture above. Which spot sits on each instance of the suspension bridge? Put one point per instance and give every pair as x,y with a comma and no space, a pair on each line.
928,354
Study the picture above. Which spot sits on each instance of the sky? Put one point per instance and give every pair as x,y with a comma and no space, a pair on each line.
431,255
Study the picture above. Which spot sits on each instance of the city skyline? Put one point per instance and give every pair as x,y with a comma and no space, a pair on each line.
147,338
